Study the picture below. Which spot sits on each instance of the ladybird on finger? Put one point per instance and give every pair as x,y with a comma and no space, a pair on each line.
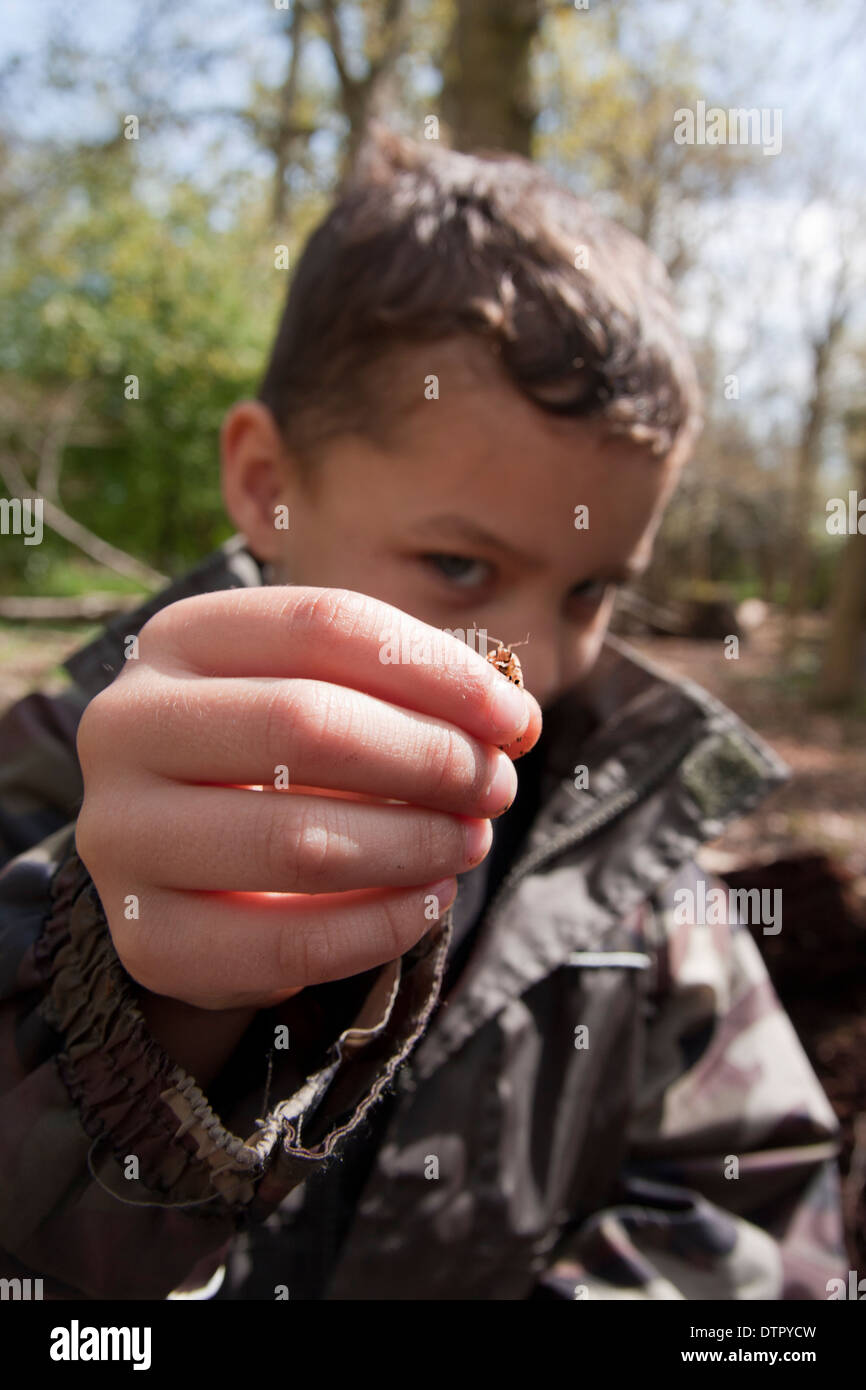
503,658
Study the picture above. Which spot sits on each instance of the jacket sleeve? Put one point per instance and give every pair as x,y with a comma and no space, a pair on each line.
118,1177
40,780
730,1186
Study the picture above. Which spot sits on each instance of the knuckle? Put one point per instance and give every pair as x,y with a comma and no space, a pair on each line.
461,767
315,610
163,631
283,711
151,632
89,838
128,938
397,924
298,712
275,862
477,770
101,834
94,725
293,846
418,833
440,760
136,961
309,851
318,612
162,639
306,954
103,733
143,948
167,622
438,840
329,722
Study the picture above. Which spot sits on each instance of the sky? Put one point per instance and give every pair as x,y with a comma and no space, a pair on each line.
796,55
805,57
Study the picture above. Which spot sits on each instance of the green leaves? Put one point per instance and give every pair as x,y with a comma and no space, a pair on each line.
111,286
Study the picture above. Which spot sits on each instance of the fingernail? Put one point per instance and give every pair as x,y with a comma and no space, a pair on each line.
479,838
445,891
509,711
502,787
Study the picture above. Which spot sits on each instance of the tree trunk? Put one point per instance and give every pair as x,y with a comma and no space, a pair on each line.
285,134
487,96
367,98
700,534
842,666
809,464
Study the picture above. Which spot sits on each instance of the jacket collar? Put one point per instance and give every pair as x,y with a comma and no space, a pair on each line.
668,767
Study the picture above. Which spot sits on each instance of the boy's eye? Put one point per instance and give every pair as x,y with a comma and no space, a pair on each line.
460,569
592,589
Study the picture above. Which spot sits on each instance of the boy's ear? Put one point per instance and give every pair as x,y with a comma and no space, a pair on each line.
257,476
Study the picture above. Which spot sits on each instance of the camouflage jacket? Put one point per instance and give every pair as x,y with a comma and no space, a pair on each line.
610,1102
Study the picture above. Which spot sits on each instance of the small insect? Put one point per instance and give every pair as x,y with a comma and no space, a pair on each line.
504,660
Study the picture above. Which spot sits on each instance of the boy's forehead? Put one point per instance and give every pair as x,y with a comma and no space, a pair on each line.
477,456
455,398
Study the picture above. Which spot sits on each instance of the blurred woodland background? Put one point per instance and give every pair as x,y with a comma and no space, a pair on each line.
152,159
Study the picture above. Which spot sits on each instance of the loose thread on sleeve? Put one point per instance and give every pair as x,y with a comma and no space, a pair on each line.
268,1081
196,1202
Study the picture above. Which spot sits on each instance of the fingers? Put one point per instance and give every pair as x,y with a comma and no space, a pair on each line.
342,637
316,735
244,896
528,738
232,839
239,949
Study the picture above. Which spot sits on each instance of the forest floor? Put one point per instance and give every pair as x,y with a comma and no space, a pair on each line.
808,837
823,806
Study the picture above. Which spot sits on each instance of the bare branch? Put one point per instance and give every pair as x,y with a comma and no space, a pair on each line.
335,41
64,525
92,608
286,132
54,442
394,40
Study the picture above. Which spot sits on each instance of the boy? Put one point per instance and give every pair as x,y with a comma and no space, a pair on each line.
207,1089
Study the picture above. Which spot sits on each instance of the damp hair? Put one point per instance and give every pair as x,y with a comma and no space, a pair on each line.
423,244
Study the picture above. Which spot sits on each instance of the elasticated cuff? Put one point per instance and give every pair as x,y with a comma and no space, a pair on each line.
134,1099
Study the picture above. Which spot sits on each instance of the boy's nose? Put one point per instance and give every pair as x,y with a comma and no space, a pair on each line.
550,667
543,670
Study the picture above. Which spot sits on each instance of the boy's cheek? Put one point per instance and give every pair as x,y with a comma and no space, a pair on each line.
576,660
590,645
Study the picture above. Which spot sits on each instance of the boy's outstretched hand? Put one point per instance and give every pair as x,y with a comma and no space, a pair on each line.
245,689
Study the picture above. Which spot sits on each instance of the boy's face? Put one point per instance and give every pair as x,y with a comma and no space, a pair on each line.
467,518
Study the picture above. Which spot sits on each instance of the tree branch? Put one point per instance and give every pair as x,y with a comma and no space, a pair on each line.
393,21
64,525
335,41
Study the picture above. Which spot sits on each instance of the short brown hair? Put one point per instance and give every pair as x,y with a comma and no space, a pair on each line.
424,244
